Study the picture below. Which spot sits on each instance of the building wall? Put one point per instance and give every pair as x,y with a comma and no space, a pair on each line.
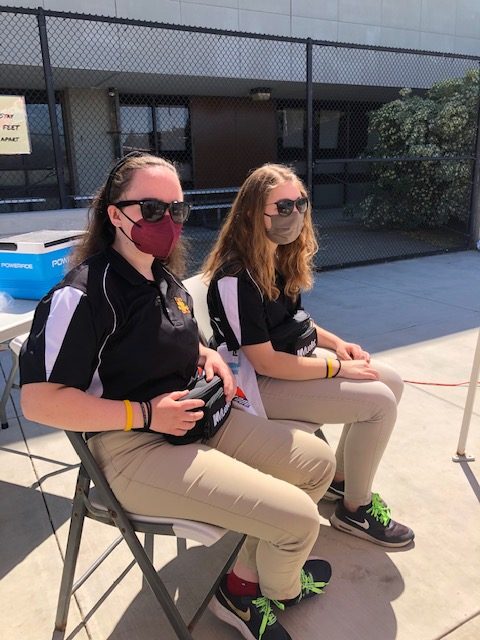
91,145
435,25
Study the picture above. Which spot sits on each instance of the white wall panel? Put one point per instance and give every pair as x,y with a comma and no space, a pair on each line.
104,8
316,29
164,11
397,23
364,33
233,4
437,42
438,16
362,11
202,15
468,18
324,10
403,38
261,22
405,14
270,6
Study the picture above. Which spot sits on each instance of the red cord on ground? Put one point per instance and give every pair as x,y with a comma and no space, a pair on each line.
441,384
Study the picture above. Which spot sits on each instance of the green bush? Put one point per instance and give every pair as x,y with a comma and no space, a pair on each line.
422,193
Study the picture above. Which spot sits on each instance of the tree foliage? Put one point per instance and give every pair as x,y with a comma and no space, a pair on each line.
423,193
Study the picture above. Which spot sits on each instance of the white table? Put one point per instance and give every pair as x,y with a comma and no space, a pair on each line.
14,321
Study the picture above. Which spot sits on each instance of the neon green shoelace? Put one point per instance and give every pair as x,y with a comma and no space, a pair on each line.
309,585
264,605
379,510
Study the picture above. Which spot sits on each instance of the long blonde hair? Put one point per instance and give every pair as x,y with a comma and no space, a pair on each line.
243,243
100,232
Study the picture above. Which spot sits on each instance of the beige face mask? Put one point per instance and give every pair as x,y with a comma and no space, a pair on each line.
285,229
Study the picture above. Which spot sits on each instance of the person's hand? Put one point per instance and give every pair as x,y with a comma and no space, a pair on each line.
351,351
171,414
357,370
213,364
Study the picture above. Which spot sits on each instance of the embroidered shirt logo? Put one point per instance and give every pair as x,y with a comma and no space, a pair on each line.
365,524
182,305
243,615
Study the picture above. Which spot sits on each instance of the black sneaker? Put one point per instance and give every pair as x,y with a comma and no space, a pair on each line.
251,616
372,522
336,491
314,577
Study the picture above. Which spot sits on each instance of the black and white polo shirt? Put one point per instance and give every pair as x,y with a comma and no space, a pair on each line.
239,312
107,330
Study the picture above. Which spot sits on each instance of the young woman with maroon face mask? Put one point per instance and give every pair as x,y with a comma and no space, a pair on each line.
112,351
258,267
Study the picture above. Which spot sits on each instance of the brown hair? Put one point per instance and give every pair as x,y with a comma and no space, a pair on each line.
100,233
243,242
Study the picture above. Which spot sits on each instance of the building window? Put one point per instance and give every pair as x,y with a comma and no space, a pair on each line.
137,128
329,128
172,123
153,124
292,128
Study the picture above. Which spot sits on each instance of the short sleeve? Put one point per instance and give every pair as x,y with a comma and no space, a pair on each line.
298,302
62,345
243,310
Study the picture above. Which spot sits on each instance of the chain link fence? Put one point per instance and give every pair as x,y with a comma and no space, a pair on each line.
386,179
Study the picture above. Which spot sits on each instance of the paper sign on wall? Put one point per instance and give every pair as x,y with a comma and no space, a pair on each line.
14,136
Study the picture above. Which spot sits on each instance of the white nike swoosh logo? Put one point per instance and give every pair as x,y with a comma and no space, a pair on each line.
364,524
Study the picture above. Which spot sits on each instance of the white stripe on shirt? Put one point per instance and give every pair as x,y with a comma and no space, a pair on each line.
228,290
67,299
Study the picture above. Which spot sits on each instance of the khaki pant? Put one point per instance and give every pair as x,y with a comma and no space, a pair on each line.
367,407
256,476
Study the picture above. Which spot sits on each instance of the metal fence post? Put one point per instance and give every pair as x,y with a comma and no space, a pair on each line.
47,70
309,98
115,125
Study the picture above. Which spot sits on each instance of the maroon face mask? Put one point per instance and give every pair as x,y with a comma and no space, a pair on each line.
155,238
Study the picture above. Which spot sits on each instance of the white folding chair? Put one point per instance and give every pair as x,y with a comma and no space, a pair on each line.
197,288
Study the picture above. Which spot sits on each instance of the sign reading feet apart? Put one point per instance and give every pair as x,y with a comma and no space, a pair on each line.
14,136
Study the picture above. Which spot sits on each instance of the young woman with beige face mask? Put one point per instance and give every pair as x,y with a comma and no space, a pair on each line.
257,269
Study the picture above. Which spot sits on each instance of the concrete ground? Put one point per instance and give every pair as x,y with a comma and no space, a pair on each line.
422,317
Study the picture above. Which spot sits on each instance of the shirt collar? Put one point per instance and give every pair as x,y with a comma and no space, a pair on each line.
127,271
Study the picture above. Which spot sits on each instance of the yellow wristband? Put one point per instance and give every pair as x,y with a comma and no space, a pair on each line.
129,415
329,368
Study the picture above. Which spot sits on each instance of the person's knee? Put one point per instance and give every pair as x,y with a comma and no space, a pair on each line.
319,467
305,519
383,403
326,461
395,383
391,379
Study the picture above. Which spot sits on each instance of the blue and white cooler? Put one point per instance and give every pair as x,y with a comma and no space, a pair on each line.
32,263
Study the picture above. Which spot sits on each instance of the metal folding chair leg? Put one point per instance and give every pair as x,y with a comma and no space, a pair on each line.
148,546
71,554
6,392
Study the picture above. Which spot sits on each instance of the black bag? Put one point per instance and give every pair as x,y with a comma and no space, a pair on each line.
215,411
297,335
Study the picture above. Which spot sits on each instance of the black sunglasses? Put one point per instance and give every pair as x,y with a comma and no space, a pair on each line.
153,210
285,207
